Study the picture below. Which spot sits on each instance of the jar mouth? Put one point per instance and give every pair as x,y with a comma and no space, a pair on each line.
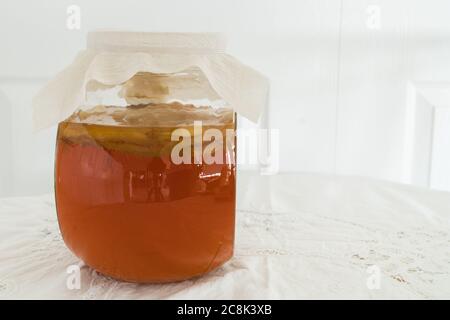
157,42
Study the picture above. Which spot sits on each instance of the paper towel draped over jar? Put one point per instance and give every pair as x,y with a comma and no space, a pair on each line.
112,58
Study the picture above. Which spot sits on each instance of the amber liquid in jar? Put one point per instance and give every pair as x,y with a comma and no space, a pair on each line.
127,210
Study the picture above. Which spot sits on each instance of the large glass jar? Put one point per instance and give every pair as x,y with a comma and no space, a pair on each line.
127,203
145,168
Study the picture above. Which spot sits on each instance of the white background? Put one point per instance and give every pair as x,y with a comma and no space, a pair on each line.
350,93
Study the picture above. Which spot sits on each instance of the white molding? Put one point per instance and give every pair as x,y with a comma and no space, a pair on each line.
437,95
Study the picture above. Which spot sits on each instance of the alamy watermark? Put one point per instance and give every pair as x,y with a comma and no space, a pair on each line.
374,280
373,21
73,281
73,21
258,147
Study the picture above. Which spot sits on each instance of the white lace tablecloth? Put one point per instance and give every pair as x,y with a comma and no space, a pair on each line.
298,236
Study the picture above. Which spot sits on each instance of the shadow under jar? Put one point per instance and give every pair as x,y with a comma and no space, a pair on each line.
125,206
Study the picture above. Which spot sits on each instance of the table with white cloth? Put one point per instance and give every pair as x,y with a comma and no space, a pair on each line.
298,236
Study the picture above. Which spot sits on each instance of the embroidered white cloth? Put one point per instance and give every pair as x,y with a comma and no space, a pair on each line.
298,236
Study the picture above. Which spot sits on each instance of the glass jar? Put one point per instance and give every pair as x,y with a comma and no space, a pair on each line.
145,168
126,203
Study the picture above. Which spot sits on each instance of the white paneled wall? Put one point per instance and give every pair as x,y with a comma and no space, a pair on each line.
372,89
339,73
440,157
427,155
6,146
30,169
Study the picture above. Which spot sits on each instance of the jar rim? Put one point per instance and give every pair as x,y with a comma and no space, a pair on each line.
170,42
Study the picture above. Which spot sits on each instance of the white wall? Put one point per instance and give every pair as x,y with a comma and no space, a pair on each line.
440,157
338,80
31,153
5,146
